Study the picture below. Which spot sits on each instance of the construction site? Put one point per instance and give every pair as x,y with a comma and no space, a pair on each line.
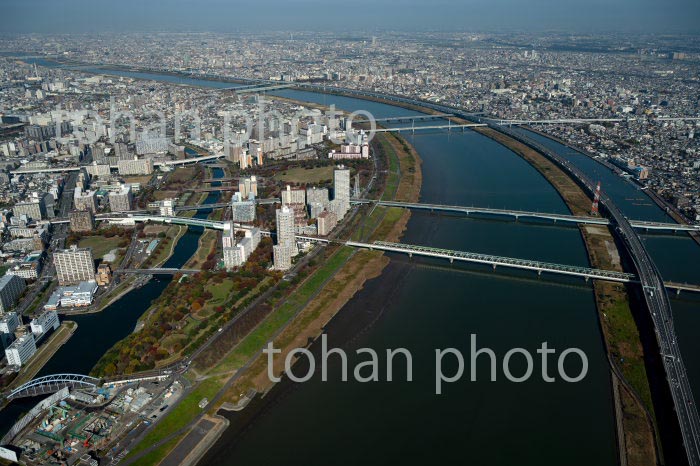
81,426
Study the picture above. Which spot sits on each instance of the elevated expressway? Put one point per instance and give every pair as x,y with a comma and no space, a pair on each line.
656,298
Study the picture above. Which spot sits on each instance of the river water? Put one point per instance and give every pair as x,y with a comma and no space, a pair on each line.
427,305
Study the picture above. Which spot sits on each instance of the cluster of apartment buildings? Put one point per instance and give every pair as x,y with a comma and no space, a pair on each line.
291,217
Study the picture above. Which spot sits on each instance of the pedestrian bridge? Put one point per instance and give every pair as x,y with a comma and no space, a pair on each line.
51,384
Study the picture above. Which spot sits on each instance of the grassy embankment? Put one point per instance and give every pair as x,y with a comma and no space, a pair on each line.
173,233
622,339
303,314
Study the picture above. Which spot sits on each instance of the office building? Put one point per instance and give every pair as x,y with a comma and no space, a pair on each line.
11,287
341,190
81,220
9,322
74,265
121,201
45,322
20,350
233,152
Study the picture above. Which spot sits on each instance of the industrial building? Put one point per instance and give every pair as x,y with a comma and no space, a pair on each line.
80,295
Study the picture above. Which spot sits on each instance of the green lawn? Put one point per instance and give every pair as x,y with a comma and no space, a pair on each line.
303,175
100,245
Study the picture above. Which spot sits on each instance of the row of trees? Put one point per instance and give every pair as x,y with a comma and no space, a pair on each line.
168,316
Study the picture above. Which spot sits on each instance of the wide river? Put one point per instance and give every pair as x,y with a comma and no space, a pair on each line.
427,305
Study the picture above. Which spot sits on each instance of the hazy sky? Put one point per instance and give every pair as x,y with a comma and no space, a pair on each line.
349,15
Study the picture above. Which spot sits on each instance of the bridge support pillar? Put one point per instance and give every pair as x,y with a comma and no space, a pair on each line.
494,266
678,291
539,273
452,259
586,278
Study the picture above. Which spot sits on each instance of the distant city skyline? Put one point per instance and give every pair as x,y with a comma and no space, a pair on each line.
35,16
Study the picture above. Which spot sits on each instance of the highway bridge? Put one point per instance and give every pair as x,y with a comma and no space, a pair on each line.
219,205
244,89
203,158
517,214
189,221
467,210
563,121
29,171
21,171
406,118
413,129
51,384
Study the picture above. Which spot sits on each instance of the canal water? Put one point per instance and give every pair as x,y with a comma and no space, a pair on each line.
424,305
98,332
